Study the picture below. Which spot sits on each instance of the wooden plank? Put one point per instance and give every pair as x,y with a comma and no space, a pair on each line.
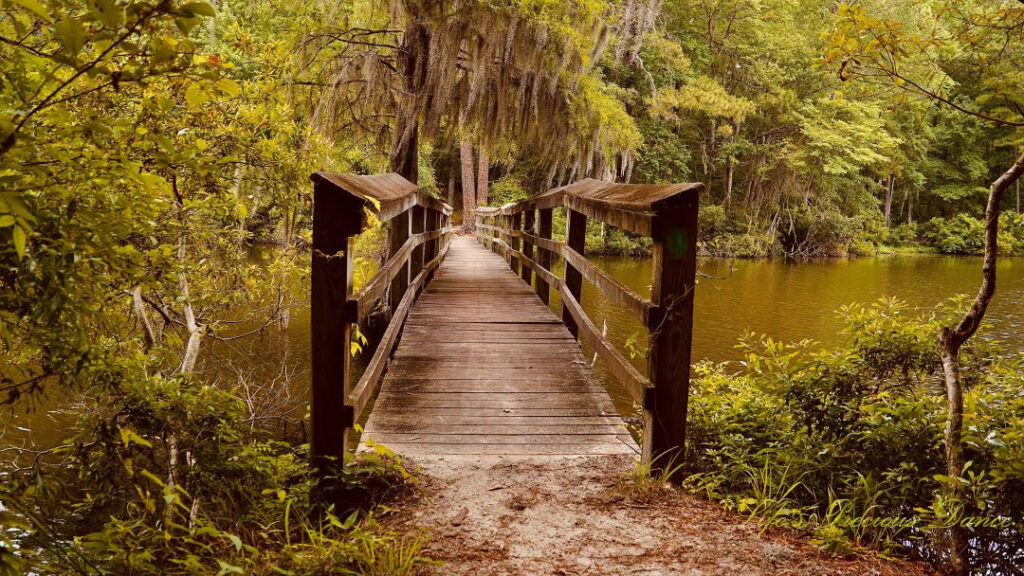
387,195
498,430
496,437
484,367
411,419
636,222
492,386
533,449
526,400
459,371
455,413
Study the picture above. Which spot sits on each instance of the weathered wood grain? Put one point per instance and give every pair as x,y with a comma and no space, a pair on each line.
484,367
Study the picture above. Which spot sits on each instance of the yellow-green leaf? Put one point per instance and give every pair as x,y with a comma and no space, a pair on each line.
71,33
199,9
196,95
19,241
108,12
34,6
229,87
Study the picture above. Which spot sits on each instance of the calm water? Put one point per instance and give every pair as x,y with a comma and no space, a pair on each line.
783,299
791,300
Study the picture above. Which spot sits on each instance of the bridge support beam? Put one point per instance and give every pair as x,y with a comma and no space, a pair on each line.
576,239
543,256
674,231
515,223
398,233
529,221
433,246
417,223
337,219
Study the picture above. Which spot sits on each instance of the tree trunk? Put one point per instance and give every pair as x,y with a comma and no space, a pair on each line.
405,141
211,24
888,200
468,189
482,176
195,330
729,170
149,334
951,339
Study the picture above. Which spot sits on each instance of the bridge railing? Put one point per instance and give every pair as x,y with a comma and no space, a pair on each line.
419,228
522,233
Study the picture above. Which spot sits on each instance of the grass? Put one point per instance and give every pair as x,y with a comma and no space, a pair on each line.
646,481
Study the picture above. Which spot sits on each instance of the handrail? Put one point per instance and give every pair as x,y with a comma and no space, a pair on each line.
667,214
419,230
371,377
375,287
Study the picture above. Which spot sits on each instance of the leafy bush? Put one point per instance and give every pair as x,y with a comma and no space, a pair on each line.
167,477
902,235
724,235
964,234
605,239
506,189
812,439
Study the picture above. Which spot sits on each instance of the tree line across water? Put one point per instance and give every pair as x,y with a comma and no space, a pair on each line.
146,144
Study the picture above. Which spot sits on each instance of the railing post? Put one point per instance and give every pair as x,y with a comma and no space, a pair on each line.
503,236
543,256
398,232
527,246
337,218
495,235
576,239
674,232
417,214
516,226
433,223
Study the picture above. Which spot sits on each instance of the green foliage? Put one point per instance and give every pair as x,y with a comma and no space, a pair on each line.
963,234
506,189
812,438
141,156
175,482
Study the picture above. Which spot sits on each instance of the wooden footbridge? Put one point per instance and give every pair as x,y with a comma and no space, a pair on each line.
473,361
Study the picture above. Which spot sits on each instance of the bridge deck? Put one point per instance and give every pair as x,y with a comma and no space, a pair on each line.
484,367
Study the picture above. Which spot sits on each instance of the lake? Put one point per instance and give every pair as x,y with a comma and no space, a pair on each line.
787,300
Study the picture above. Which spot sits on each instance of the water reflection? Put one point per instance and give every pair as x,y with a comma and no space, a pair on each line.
785,299
793,300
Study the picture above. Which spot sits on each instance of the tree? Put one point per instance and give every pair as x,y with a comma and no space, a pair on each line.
968,57
521,71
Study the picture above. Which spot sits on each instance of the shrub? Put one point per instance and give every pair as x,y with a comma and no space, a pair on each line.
902,235
167,477
506,189
814,438
964,234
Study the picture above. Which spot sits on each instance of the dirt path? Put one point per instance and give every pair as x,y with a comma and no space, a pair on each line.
565,516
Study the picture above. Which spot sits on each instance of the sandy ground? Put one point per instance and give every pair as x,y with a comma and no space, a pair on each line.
566,517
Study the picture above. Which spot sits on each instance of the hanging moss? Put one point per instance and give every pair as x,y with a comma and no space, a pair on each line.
522,71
